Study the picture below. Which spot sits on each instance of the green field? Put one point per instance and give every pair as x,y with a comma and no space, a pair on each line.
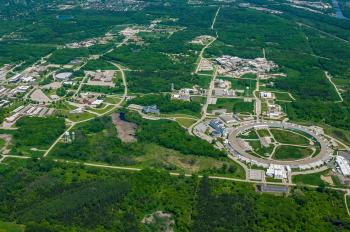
185,122
263,133
249,135
249,76
2,143
112,99
232,105
80,117
291,153
289,137
11,227
280,96
260,149
313,179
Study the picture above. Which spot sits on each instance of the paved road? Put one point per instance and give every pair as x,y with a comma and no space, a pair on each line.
205,106
107,112
200,176
257,99
202,52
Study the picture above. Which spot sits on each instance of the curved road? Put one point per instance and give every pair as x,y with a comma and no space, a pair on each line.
107,112
239,150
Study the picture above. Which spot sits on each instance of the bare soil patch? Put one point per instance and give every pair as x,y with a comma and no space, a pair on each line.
159,221
327,179
126,130
7,138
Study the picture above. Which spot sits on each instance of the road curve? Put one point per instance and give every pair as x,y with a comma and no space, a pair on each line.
238,149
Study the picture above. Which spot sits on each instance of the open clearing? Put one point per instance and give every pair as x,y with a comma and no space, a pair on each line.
289,137
126,130
291,152
11,227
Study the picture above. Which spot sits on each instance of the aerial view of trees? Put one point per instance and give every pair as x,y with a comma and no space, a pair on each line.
167,105
38,132
49,196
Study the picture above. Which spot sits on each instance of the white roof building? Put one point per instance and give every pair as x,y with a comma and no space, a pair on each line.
13,118
343,165
267,95
97,102
28,79
64,75
277,171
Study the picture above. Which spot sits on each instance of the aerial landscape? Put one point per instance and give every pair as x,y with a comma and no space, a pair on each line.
174,115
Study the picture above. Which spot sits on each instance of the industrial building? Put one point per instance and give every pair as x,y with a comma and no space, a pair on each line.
277,171
230,119
342,165
218,127
63,76
151,110
266,95
15,78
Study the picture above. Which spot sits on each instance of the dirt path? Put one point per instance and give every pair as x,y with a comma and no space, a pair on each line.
329,77
214,20
7,139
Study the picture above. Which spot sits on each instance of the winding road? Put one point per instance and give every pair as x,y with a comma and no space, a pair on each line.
107,112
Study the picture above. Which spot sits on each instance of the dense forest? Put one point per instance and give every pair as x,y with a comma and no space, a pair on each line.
97,140
38,132
171,135
55,197
167,105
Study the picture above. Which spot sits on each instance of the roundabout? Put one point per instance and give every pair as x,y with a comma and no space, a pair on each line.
279,143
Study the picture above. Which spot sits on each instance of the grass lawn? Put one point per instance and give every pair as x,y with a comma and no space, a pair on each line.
271,179
290,153
112,99
312,179
80,117
249,135
185,122
282,96
288,137
207,72
249,76
10,227
242,84
199,99
264,107
263,133
259,149
233,105
163,158
101,110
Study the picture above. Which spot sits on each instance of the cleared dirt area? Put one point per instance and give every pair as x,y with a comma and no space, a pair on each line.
159,221
53,85
7,138
126,130
327,179
39,96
